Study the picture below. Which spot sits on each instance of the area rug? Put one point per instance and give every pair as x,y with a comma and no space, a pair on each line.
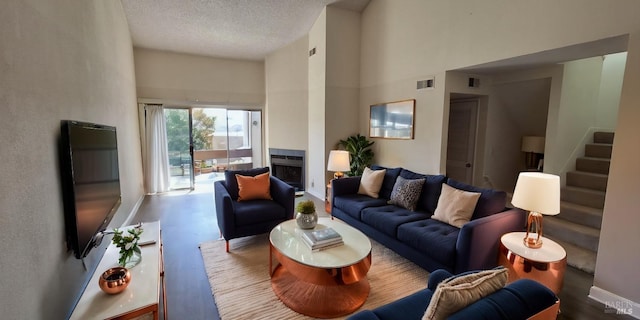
241,285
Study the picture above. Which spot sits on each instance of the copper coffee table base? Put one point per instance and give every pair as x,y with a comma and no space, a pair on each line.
318,292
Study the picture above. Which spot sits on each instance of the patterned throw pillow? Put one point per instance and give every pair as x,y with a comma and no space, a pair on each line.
406,193
456,293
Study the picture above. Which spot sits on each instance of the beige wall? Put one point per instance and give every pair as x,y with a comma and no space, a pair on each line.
181,78
286,72
404,40
59,60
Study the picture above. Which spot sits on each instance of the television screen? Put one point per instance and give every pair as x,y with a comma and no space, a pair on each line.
91,181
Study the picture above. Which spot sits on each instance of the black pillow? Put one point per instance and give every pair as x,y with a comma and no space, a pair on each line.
232,183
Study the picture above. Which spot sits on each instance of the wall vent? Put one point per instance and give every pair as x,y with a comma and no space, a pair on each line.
474,82
426,84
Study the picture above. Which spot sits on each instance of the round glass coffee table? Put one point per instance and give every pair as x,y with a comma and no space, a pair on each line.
322,284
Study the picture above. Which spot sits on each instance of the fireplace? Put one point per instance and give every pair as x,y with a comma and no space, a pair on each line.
288,166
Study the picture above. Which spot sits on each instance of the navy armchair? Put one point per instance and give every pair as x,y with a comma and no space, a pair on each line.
238,219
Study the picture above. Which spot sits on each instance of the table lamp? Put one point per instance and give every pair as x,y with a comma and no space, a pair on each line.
533,146
538,193
338,162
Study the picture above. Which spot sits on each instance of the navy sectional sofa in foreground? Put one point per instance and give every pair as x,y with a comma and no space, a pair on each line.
429,243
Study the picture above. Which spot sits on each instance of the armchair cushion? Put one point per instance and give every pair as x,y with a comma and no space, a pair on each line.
257,211
253,188
232,183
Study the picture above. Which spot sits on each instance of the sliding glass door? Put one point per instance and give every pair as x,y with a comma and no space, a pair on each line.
178,123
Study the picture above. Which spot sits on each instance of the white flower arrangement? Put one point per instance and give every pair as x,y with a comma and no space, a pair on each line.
128,244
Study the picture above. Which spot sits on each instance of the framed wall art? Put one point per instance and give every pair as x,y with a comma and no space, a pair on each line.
392,120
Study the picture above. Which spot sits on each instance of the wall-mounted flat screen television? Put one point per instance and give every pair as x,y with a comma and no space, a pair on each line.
90,181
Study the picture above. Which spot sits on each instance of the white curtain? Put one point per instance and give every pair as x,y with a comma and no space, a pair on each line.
156,169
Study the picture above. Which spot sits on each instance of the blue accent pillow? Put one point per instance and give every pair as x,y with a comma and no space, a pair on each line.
232,183
490,202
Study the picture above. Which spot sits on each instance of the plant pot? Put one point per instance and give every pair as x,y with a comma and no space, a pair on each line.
114,280
306,220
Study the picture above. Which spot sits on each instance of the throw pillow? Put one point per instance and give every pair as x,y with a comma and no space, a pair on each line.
458,292
371,182
455,207
232,183
406,193
253,188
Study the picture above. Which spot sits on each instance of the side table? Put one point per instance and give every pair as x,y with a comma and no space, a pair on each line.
327,199
546,264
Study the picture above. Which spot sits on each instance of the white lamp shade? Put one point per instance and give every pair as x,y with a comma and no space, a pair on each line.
533,144
538,192
338,161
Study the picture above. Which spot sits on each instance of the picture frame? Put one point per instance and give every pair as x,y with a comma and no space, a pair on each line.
392,120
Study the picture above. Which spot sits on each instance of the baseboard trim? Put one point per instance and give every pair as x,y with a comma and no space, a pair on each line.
134,211
613,303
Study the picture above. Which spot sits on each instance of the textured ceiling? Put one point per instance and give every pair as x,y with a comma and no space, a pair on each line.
238,29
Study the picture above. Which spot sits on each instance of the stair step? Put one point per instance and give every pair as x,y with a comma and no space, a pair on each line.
576,213
596,181
594,165
598,150
582,196
603,137
577,234
578,257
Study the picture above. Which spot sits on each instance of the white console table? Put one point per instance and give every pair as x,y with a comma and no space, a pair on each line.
143,294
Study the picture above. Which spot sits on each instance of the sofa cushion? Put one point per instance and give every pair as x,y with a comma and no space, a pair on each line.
490,202
371,182
254,188
455,206
458,292
231,182
257,211
352,204
430,190
432,236
388,218
390,176
406,193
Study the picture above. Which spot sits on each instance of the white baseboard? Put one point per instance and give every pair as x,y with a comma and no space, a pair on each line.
134,211
315,194
615,304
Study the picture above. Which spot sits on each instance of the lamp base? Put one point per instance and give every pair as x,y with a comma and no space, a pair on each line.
533,237
338,175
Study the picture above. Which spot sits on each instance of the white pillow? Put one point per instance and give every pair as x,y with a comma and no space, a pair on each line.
458,292
455,206
371,182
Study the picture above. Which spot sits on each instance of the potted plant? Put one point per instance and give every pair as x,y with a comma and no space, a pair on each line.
359,148
130,254
306,216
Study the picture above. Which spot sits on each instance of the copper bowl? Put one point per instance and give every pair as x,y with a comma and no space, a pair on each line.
114,280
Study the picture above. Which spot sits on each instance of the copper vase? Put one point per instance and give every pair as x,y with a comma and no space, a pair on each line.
114,280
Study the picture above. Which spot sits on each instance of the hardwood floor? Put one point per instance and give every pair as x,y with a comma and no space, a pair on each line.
188,219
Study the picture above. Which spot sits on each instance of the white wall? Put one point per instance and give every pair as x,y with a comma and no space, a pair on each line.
618,258
58,60
174,77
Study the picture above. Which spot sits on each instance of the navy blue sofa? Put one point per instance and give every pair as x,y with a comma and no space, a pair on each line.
521,299
429,243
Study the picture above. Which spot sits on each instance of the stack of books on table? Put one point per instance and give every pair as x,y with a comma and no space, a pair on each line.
322,239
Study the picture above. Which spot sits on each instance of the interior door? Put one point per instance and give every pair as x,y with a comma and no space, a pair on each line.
463,118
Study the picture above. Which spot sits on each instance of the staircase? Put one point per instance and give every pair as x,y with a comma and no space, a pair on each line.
577,227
